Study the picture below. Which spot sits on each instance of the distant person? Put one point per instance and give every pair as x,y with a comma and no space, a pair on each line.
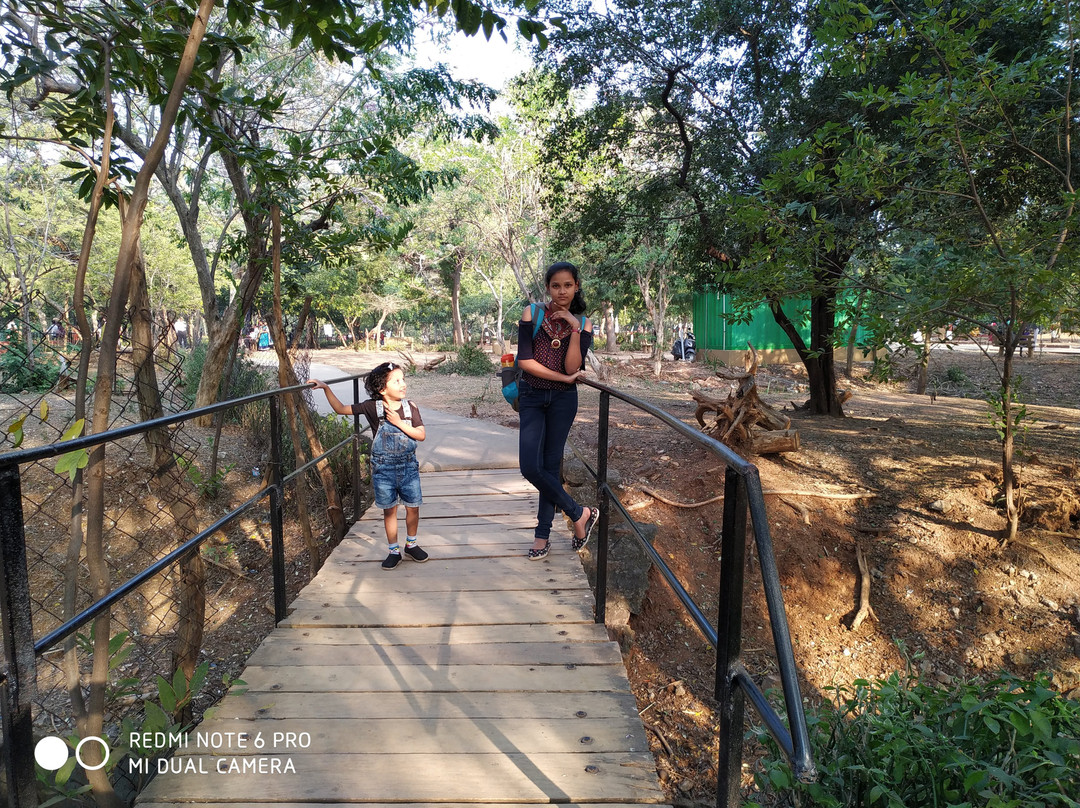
395,473
552,362
55,332
264,338
180,327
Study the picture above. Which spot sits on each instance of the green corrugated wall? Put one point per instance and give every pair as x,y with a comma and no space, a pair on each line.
714,332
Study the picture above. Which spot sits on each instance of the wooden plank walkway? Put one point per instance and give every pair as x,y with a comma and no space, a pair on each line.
475,678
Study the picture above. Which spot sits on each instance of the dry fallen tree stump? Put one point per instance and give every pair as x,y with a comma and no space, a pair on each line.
743,421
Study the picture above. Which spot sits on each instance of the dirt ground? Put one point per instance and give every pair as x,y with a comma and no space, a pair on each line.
950,599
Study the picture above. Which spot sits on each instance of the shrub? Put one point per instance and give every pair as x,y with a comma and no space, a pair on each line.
900,742
247,379
956,375
36,372
470,361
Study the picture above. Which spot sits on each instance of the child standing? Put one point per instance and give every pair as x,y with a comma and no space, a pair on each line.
395,474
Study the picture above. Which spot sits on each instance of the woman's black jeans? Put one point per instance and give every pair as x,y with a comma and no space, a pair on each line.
546,418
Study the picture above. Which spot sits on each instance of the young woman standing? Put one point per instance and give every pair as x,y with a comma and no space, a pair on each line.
552,361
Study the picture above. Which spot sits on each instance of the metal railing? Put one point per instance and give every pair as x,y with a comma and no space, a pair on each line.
742,497
22,650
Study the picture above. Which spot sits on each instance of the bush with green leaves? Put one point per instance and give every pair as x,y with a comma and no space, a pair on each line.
901,743
470,361
34,372
247,379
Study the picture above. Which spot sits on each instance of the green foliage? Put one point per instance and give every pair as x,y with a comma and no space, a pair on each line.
899,742
247,379
70,462
1017,415
119,651
882,368
35,371
331,430
956,375
470,361
208,486
174,696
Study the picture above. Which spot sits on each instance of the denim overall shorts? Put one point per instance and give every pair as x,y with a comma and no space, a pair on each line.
395,472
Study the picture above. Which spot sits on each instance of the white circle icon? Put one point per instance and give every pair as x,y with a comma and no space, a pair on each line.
104,753
51,753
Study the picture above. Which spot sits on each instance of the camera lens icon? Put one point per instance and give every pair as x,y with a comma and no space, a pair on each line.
51,752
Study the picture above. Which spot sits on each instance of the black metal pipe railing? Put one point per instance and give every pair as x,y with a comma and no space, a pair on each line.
743,499
21,650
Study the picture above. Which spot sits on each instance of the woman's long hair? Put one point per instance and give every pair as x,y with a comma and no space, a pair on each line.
577,305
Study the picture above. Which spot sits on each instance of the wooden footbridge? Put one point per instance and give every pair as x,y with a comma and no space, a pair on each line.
478,677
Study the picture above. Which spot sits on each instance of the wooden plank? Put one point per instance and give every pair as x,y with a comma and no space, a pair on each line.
477,503
511,653
398,704
441,574
463,476
439,535
518,486
376,551
538,778
446,608
525,517
425,679
322,736
518,603
512,513
450,531
447,635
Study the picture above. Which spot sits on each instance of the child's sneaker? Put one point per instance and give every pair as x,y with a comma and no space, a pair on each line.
416,553
391,561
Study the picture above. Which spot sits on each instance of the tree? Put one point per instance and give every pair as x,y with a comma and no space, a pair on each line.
68,59
987,210
726,105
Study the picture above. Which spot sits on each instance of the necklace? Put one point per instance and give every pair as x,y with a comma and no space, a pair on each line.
556,328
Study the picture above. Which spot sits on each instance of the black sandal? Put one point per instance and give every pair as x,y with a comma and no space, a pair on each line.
536,555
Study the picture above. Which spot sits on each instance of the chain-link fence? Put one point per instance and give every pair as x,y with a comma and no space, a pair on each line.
161,489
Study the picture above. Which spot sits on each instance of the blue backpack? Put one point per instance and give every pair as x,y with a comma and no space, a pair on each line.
511,375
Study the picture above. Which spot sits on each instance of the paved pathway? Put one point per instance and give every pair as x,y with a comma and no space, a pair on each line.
453,442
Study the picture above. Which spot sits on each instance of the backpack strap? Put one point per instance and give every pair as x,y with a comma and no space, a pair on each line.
537,318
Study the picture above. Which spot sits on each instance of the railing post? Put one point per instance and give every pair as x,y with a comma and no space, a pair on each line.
19,678
729,697
356,454
277,530
604,504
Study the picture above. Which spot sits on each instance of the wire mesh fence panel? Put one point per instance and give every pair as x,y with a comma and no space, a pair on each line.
161,489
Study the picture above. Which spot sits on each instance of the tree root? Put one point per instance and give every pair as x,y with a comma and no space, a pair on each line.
865,609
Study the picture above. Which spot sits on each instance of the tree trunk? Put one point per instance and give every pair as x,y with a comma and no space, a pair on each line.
72,676
608,310
224,331
924,364
333,501
818,358
853,334
106,378
455,301
1008,475
169,482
